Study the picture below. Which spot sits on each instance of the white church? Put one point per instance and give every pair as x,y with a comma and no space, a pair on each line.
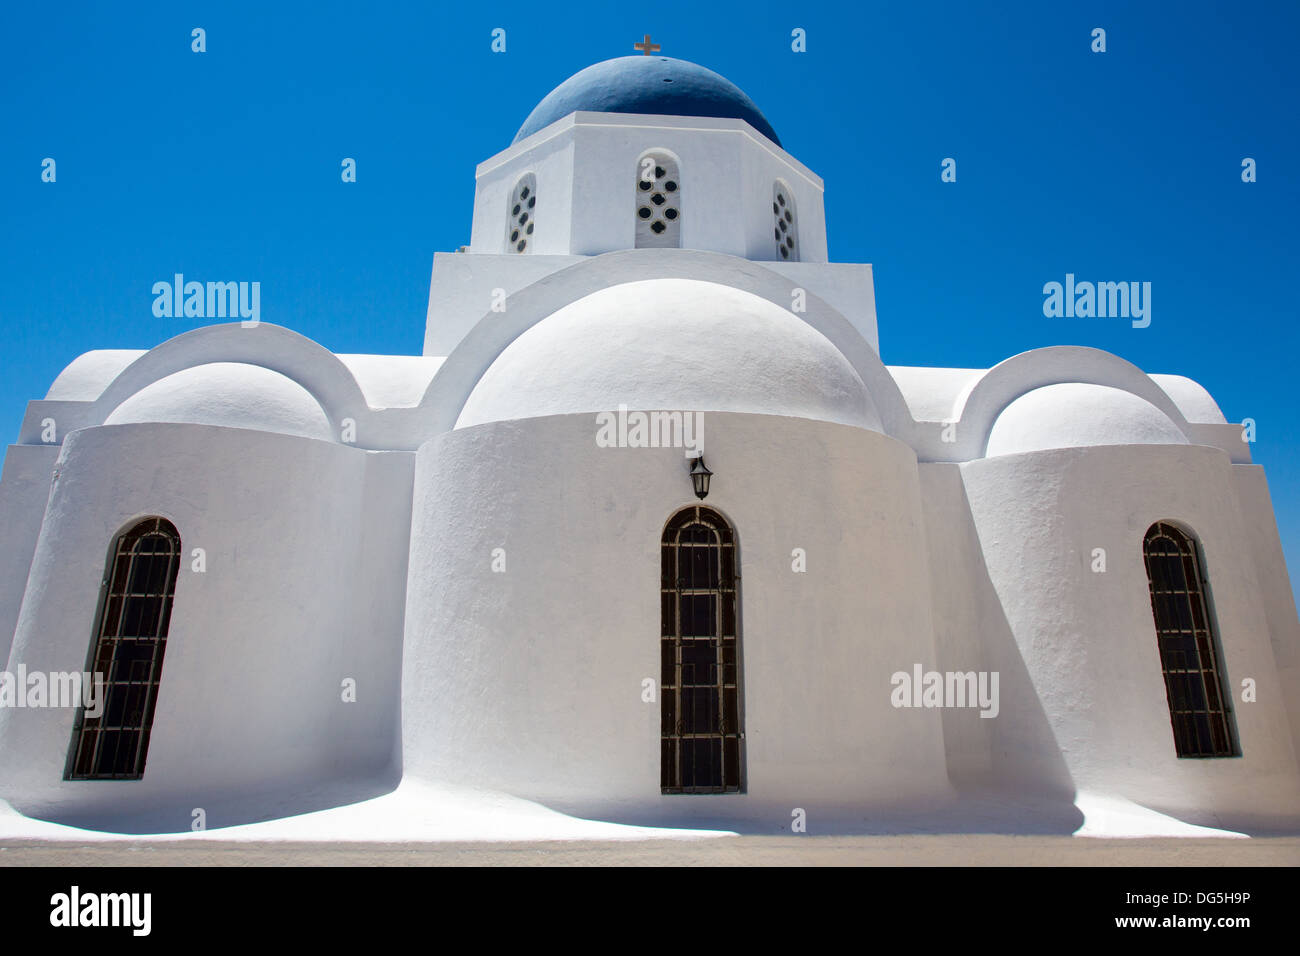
648,536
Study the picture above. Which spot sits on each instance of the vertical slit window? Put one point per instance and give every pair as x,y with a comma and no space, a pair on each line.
700,732
521,215
658,202
1189,656
127,654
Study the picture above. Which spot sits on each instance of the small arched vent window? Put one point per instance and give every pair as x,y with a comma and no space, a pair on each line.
520,219
658,202
1189,656
786,228
127,654
700,730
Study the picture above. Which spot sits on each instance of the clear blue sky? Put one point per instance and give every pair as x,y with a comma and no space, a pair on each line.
225,165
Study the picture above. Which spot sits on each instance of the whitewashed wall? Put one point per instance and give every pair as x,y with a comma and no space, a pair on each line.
24,491
1088,641
306,546
530,680
1015,752
1259,525
586,167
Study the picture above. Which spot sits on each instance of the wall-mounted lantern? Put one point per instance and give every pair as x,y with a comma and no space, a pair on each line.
700,476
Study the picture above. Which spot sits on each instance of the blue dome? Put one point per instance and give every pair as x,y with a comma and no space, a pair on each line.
658,85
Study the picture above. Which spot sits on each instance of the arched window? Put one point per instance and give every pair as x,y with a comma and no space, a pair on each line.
1194,685
658,202
700,730
520,221
135,610
786,230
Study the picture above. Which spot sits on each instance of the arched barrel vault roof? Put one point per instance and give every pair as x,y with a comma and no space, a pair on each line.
94,384
681,344
981,401
272,347
467,363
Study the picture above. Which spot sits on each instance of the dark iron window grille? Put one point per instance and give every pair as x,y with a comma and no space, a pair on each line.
701,732
1199,708
131,638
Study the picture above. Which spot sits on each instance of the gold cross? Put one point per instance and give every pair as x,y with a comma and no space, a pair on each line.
645,46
